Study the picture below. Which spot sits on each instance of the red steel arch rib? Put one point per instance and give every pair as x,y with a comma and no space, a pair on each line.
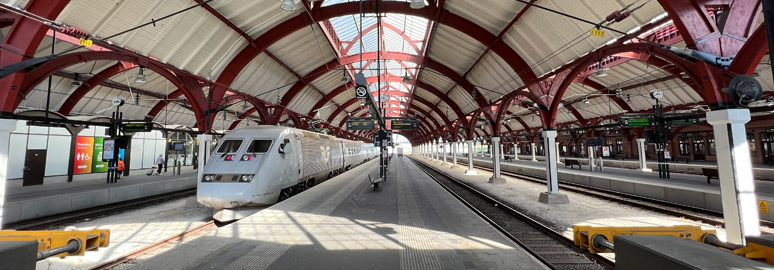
447,18
78,94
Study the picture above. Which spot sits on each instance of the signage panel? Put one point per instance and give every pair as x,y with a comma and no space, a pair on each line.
136,127
405,124
108,149
98,165
360,124
637,122
84,151
684,122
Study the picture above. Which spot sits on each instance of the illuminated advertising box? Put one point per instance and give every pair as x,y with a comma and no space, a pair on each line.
84,151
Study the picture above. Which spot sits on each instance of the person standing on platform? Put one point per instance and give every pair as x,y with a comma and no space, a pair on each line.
160,163
121,168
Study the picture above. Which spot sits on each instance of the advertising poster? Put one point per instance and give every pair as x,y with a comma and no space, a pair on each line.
108,149
96,162
605,151
84,149
121,154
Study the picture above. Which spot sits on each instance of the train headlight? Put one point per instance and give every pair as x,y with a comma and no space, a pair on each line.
208,178
246,178
247,157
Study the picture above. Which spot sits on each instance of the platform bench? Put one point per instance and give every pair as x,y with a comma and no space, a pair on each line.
678,159
710,173
508,158
572,162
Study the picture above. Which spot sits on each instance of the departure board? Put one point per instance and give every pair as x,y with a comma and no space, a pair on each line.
360,124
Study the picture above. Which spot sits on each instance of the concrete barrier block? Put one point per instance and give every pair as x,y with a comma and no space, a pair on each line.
599,182
89,199
11,212
713,202
651,191
45,206
622,186
155,188
685,196
124,193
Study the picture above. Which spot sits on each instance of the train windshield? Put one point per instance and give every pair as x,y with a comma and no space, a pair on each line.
230,146
259,146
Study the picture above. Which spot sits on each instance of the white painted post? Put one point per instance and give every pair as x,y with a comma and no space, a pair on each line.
6,126
641,153
552,180
591,157
558,152
737,186
454,153
496,179
534,149
470,170
515,150
444,147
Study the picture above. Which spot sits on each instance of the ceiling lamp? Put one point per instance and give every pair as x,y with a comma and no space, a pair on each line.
601,72
406,78
140,77
288,5
75,82
586,101
417,4
685,75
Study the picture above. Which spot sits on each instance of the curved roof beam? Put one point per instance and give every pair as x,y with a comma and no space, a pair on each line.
244,57
69,104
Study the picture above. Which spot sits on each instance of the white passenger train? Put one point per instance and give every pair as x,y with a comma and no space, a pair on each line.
262,165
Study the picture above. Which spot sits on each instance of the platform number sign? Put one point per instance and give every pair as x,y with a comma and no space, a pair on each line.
361,92
763,207
85,42
597,32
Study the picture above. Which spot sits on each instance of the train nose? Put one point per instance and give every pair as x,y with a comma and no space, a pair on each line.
223,196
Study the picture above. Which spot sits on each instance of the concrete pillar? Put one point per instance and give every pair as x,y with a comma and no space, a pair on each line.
641,153
6,126
592,162
444,147
552,195
558,153
495,149
470,170
502,151
454,154
204,140
515,151
534,149
737,187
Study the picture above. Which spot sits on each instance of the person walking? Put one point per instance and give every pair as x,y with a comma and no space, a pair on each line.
160,163
121,168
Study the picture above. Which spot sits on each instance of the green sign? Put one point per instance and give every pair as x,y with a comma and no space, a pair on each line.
405,124
360,124
136,127
637,122
684,122
96,162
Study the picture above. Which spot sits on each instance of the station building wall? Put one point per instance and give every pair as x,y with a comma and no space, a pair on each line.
146,147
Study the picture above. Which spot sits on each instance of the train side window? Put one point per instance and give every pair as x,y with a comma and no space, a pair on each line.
259,146
229,146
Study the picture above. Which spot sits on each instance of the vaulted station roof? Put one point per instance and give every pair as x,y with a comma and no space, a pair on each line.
447,63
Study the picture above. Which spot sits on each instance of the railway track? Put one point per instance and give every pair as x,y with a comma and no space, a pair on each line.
63,219
546,244
688,212
157,248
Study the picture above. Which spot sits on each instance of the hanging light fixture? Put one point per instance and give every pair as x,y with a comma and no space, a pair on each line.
288,5
406,78
75,82
586,101
140,77
602,71
417,4
629,99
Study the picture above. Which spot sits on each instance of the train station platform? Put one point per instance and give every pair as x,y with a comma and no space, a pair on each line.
410,222
24,203
681,188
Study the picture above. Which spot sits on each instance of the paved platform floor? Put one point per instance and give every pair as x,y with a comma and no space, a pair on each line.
681,180
410,222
